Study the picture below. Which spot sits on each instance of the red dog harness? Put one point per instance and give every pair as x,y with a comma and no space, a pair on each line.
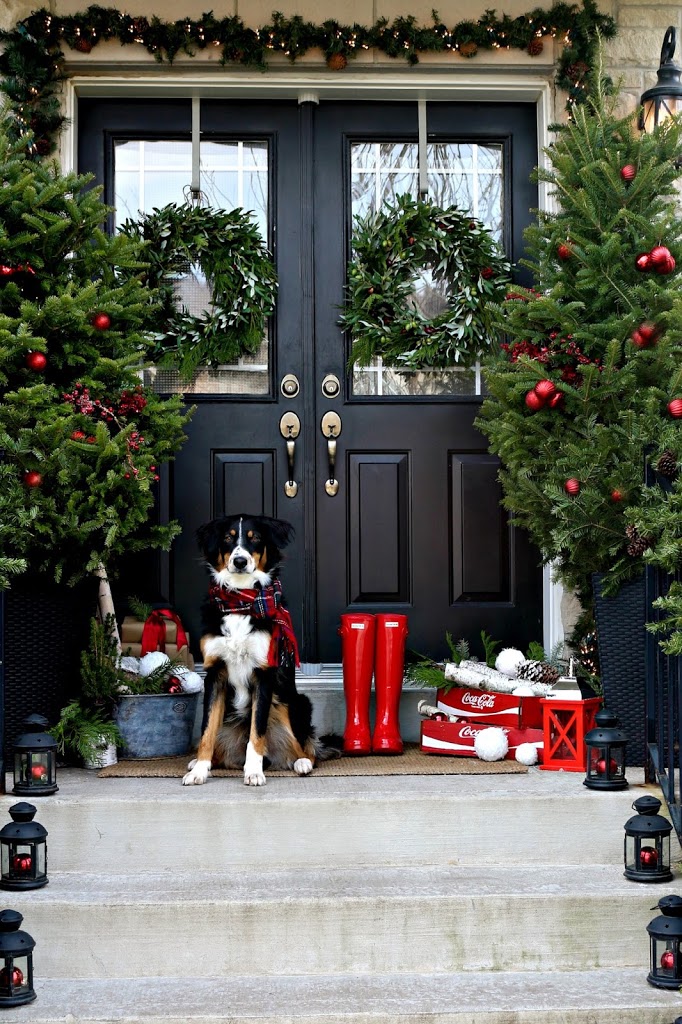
262,603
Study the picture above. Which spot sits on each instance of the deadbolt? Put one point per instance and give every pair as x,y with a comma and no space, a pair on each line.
331,386
290,386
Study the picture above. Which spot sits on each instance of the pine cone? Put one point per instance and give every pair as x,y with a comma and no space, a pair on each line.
337,61
537,672
667,464
468,49
535,47
638,544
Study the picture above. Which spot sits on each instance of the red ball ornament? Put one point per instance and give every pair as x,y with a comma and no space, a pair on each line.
17,978
101,321
487,273
648,330
648,857
659,254
572,486
643,261
616,495
39,771
545,389
36,361
667,266
638,339
628,172
668,960
77,435
675,408
563,252
32,478
22,863
6,271
533,401
601,766
556,400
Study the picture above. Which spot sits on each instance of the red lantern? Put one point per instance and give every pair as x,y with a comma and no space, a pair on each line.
564,724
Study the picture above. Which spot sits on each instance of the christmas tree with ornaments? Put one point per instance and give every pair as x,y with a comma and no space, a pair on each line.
587,383
81,441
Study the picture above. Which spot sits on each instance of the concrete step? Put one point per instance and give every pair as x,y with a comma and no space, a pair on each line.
567,997
331,922
123,826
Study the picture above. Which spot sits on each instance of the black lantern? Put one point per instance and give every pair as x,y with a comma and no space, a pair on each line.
23,850
647,843
605,745
35,760
16,961
665,933
664,99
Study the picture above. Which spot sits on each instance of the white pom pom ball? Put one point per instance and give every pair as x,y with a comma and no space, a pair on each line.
191,682
527,753
523,690
491,744
508,660
131,665
150,662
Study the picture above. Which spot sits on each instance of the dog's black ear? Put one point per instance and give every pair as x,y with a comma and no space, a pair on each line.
209,537
280,532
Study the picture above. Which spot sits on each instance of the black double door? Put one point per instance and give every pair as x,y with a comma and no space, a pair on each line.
414,523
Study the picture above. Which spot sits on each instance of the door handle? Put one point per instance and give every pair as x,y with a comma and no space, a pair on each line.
290,428
331,428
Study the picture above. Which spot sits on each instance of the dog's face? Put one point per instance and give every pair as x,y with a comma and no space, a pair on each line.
244,549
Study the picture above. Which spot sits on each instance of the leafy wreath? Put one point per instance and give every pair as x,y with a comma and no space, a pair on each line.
389,248
228,248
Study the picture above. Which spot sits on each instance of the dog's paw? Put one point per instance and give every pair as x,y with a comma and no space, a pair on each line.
303,766
191,764
198,773
254,778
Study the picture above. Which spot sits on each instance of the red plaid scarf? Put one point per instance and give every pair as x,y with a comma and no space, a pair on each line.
262,603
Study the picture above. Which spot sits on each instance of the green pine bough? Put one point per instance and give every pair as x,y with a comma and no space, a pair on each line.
228,248
582,392
389,249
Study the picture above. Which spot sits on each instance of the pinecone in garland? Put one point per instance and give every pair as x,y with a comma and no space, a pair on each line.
638,544
667,464
537,672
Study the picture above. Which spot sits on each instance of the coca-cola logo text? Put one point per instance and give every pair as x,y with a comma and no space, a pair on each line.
469,731
478,700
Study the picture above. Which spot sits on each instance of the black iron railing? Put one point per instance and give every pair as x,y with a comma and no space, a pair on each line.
663,700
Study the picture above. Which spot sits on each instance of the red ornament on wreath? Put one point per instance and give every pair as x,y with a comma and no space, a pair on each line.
544,389
32,478
628,172
643,262
101,321
616,495
675,408
563,252
36,361
572,486
533,401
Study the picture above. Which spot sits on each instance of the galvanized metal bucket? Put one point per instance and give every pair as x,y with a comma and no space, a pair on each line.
156,724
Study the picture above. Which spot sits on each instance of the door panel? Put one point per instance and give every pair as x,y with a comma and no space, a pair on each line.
416,524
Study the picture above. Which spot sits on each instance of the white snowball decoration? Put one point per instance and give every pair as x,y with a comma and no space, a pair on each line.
523,690
191,682
131,665
527,753
150,662
491,744
508,660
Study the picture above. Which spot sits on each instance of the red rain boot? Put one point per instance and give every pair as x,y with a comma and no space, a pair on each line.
357,646
389,664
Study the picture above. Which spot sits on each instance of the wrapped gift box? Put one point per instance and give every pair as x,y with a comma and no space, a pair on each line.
493,708
456,739
131,630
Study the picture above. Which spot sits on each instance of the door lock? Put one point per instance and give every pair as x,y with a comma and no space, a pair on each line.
331,428
290,386
290,428
331,386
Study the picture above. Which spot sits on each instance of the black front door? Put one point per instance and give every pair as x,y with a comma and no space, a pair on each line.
413,523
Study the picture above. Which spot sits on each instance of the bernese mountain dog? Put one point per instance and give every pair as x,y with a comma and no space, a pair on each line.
253,714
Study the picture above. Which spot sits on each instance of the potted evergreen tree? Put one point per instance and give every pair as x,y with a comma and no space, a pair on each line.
587,384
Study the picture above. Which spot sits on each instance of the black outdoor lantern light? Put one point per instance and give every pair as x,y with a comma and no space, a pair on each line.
605,747
23,850
35,760
647,843
664,99
665,934
16,961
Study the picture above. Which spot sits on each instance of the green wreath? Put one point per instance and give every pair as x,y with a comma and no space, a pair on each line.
228,248
390,247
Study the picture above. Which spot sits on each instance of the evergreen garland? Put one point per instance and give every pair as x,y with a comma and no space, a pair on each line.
33,61
389,248
232,255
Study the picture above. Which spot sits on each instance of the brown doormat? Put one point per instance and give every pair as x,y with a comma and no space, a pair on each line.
411,762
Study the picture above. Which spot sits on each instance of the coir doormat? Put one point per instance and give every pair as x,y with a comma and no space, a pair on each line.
411,762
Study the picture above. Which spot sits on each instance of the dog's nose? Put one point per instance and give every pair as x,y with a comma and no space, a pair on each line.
239,563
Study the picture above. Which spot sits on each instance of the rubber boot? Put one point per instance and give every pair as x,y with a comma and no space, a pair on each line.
389,664
357,652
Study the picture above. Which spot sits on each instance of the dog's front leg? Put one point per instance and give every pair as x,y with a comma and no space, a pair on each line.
260,712
200,768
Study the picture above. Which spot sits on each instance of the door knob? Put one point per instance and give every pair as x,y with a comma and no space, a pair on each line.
331,428
290,428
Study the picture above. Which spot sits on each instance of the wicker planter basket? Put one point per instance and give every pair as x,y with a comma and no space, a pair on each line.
621,638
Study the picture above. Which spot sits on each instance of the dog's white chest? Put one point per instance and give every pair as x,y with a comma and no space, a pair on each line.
242,649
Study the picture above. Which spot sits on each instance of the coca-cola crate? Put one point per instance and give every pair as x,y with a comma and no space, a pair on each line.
494,708
456,739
